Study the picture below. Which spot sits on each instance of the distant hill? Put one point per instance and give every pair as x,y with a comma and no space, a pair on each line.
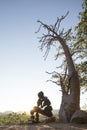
7,112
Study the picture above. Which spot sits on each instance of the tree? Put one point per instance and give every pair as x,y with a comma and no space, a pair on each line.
69,79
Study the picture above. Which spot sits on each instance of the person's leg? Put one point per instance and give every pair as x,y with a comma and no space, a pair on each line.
37,117
35,114
48,111
32,115
37,110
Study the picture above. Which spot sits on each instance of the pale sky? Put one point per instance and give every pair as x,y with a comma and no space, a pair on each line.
22,66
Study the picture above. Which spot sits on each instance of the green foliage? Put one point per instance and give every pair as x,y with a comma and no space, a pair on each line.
82,27
14,118
81,45
82,68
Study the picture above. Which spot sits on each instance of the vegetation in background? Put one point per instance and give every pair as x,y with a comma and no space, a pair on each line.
81,45
14,118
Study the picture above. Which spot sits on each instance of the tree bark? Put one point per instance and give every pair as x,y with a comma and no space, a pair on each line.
70,102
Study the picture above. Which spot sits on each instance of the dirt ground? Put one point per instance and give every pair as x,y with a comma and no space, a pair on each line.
47,126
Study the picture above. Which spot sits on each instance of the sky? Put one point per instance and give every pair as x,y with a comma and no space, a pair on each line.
22,66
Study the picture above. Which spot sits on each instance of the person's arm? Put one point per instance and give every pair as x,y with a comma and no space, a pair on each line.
39,103
46,102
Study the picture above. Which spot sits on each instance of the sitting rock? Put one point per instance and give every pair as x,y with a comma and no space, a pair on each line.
50,119
79,116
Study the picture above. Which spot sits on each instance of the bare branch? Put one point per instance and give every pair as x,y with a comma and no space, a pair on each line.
54,82
61,80
53,34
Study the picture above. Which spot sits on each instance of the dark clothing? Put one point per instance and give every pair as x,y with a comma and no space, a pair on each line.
44,105
47,111
43,102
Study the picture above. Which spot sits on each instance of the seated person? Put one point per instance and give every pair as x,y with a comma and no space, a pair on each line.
43,107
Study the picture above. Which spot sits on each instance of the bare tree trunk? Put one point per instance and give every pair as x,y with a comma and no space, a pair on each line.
70,102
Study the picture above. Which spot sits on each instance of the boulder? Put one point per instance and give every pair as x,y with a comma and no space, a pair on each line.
79,116
50,119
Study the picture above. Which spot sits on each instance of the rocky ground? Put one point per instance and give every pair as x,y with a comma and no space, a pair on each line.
47,126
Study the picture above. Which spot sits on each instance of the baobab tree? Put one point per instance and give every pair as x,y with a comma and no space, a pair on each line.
69,79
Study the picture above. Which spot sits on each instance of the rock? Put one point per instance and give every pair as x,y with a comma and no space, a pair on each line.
50,119
79,116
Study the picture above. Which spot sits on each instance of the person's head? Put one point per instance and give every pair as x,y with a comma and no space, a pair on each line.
40,94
